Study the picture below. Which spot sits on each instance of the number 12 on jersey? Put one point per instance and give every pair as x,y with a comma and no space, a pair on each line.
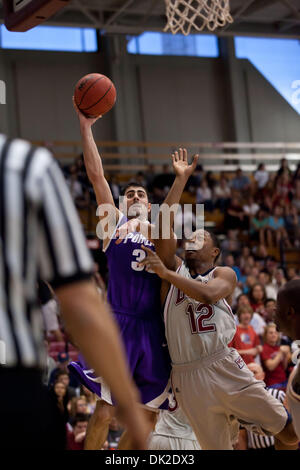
199,317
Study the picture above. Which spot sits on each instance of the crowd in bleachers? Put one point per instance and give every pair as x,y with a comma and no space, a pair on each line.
256,218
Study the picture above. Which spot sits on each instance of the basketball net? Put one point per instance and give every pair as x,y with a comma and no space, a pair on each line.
183,15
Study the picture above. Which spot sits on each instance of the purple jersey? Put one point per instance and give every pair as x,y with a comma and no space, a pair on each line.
134,295
131,289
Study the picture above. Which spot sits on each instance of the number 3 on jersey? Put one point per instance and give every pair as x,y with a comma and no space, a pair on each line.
199,318
139,256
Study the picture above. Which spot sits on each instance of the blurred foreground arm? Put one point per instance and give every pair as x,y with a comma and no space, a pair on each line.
96,335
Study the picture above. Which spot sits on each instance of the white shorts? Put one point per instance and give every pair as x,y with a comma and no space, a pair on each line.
159,442
220,390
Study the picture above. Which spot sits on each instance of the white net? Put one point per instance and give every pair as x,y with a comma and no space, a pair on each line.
183,15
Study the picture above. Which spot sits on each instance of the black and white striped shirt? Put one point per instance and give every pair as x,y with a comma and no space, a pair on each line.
256,441
40,235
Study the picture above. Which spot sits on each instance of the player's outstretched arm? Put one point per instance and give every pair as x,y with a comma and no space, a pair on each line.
165,245
94,331
92,159
221,286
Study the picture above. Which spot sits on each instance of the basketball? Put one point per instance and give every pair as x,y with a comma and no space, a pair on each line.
95,95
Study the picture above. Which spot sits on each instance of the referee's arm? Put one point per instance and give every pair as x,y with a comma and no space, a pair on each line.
66,263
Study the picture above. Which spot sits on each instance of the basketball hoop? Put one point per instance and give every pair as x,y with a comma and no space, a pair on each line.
183,15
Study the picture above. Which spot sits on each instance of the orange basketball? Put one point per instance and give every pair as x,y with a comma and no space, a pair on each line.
95,95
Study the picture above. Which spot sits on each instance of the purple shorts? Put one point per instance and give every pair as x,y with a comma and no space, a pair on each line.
148,358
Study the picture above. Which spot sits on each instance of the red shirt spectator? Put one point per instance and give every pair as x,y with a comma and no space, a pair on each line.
75,438
246,340
274,358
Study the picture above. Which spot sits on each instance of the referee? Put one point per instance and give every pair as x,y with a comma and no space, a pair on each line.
41,236
251,440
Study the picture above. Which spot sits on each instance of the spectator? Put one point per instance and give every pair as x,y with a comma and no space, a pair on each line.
250,207
261,176
257,296
279,279
64,377
275,230
261,254
292,224
60,396
211,180
257,322
222,194
250,282
115,189
296,195
296,175
90,399
77,405
162,183
274,358
284,168
265,280
50,310
267,203
283,190
231,244
258,225
79,192
114,433
240,182
270,307
76,437
292,274
235,217
230,262
149,176
245,340
63,360
204,196
243,261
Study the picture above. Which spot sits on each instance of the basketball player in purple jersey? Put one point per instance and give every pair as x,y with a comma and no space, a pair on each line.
134,295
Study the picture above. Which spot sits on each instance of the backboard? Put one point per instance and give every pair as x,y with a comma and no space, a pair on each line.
22,15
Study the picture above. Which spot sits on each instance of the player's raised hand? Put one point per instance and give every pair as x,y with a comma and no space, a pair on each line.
180,163
83,120
153,262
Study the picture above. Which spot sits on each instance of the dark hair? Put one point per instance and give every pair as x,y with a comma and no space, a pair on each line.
216,243
133,184
269,300
252,300
79,417
242,295
62,372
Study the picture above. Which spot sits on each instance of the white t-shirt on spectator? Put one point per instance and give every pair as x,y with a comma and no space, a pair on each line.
203,194
252,209
271,291
258,323
220,192
262,177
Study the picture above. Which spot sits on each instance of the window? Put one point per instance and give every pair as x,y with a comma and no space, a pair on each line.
278,60
51,38
199,45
